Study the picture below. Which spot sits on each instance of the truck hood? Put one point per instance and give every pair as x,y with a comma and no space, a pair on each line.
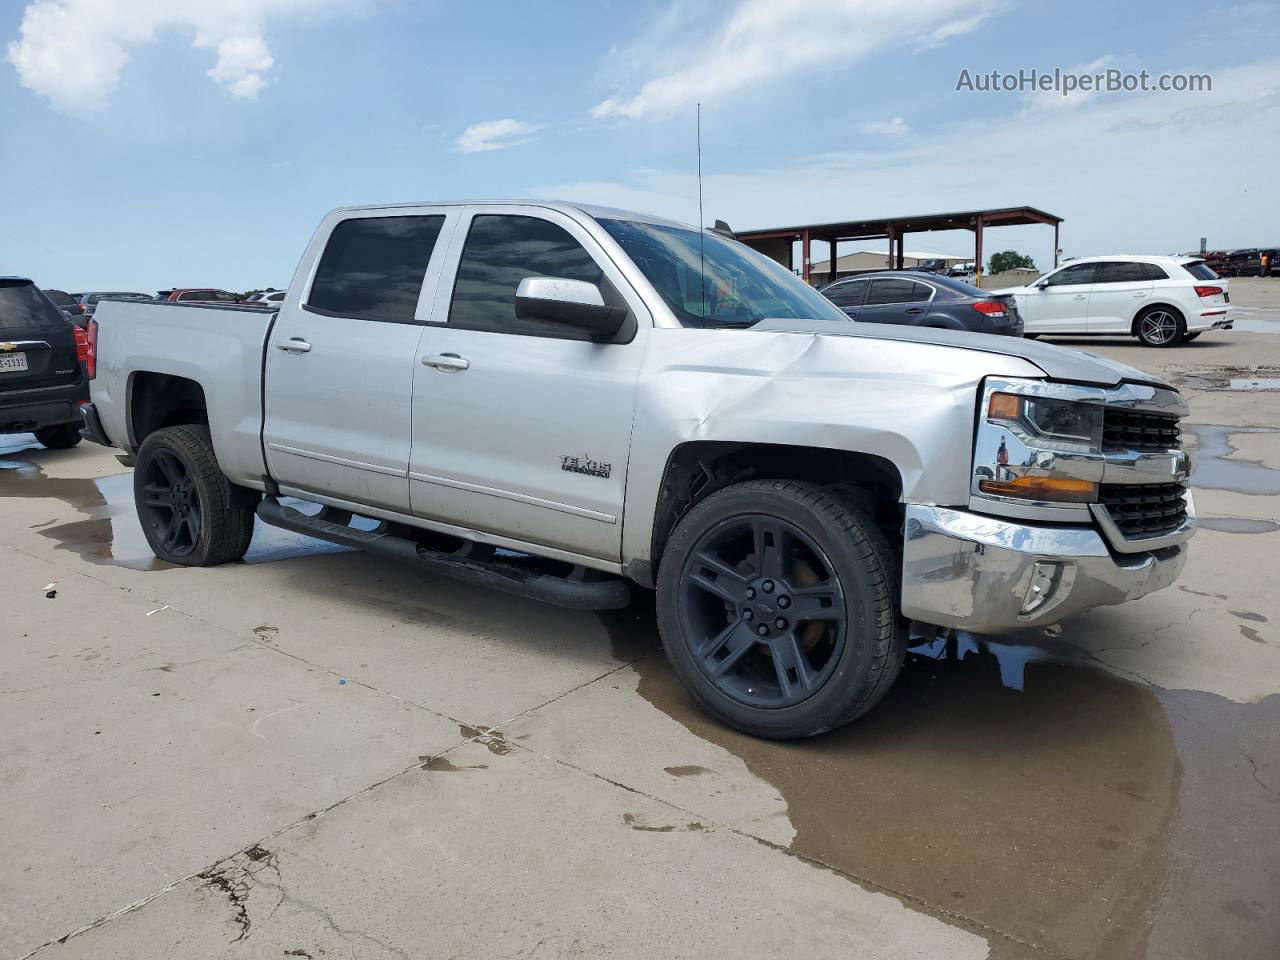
1058,363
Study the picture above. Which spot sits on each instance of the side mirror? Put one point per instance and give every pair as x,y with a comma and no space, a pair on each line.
1040,285
574,303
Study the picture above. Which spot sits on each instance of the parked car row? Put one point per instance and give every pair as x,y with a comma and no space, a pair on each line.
1163,301
81,306
1245,262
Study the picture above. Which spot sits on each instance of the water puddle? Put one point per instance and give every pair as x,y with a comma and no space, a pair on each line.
995,781
1254,383
1243,525
1215,466
110,532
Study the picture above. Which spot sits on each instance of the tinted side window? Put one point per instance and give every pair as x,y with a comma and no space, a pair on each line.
1122,273
1200,270
372,268
1076,273
1154,272
501,251
847,294
895,290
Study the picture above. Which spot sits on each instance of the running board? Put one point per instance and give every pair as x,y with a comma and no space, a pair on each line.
576,588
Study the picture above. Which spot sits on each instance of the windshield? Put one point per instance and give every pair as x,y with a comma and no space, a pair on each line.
738,288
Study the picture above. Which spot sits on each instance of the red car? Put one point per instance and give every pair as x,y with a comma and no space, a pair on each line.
198,295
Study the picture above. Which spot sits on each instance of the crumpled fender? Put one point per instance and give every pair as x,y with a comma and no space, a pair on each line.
910,403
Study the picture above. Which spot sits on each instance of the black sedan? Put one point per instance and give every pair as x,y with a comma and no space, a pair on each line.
924,300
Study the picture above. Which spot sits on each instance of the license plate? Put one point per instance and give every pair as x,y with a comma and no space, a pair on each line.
13,362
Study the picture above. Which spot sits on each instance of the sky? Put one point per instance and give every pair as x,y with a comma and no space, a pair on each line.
147,144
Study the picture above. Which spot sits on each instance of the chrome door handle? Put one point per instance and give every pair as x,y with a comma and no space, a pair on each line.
294,345
1080,296
448,362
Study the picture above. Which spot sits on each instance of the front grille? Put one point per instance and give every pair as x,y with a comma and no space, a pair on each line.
1147,432
1145,510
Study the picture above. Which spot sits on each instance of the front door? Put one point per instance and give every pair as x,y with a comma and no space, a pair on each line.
1119,291
522,428
341,356
1058,303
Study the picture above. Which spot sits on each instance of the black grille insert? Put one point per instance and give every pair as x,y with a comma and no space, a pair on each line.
1145,510
1147,432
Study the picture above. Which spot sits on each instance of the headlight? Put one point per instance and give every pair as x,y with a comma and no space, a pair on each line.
1039,442
1054,424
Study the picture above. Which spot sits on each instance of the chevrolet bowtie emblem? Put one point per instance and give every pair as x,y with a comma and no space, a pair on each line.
6,347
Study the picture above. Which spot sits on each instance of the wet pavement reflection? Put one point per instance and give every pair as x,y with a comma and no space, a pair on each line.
110,532
995,781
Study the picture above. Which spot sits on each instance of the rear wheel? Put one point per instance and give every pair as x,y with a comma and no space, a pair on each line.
61,437
1160,326
778,607
190,512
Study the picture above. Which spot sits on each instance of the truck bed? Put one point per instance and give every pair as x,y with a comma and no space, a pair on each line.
218,348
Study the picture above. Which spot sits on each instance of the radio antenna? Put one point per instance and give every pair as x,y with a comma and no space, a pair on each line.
702,260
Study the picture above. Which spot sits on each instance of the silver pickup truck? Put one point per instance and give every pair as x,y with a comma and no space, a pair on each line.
561,400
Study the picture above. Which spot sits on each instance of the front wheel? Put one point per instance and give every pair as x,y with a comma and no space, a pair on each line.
190,512
1160,327
62,437
778,608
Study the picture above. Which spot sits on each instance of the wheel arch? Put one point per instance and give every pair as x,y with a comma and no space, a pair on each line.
697,468
157,400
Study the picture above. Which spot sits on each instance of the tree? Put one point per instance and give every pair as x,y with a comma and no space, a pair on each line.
1010,260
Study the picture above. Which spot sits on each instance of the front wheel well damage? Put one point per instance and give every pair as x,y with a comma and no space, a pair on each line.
698,469
158,400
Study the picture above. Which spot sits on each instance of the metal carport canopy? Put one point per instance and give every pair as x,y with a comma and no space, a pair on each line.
772,241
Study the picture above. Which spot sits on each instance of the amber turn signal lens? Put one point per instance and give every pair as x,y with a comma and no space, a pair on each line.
1004,406
1063,489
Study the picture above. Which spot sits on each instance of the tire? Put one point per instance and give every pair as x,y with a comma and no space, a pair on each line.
1188,337
62,437
1160,326
822,555
190,512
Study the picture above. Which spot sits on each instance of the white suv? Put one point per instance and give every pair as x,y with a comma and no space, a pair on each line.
1160,300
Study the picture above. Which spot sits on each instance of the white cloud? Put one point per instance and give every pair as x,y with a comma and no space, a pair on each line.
495,135
764,40
1054,100
897,127
1109,167
72,51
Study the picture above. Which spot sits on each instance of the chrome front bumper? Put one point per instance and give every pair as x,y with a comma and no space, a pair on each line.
988,575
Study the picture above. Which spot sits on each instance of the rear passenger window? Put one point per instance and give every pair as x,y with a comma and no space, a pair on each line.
372,268
500,252
1154,272
1121,272
893,290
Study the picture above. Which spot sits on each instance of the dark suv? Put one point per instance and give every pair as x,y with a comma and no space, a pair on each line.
42,381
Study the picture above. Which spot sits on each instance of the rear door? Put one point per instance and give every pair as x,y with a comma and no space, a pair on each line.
37,345
341,356
1059,302
896,300
1120,289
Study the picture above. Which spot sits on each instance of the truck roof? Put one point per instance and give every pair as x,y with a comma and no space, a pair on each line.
569,208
